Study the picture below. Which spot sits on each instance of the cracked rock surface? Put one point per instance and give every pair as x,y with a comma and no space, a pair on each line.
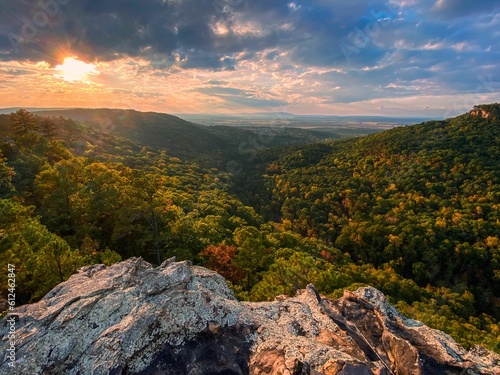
132,318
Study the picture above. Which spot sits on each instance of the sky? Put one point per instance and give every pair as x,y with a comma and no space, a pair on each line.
429,58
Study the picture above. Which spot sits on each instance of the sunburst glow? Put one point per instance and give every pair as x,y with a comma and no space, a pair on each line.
74,70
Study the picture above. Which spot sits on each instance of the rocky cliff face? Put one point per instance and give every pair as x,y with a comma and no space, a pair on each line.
478,112
132,318
486,111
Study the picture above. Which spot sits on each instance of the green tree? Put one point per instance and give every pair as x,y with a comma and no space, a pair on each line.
56,191
251,255
41,258
48,128
56,261
22,122
286,276
90,249
6,175
148,187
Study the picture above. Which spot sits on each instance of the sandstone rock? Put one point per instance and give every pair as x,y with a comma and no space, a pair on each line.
131,318
479,112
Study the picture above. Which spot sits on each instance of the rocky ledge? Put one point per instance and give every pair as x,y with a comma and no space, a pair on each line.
131,318
478,112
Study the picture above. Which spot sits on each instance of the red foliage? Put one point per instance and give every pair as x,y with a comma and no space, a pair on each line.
220,259
328,256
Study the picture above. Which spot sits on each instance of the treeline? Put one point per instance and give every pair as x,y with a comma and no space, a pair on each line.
413,212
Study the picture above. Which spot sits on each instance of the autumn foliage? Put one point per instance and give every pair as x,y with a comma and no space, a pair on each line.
220,259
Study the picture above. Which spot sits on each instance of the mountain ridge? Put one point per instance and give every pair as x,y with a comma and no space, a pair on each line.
211,146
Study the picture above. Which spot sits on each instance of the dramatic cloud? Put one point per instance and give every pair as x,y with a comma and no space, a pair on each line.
316,56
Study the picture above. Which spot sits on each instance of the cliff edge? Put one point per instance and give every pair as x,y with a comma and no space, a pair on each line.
132,318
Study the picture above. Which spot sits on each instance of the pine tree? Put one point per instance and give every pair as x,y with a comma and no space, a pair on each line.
48,128
22,122
6,175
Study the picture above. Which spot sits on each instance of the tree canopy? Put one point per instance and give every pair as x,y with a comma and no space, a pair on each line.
413,211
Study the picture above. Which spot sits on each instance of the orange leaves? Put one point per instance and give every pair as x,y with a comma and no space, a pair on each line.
220,259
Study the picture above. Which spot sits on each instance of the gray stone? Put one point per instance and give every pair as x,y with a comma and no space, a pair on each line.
131,318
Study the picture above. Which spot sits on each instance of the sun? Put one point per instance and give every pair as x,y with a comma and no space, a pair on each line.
74,70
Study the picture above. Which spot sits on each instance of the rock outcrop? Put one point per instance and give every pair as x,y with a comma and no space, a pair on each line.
131,318
479,112
486,111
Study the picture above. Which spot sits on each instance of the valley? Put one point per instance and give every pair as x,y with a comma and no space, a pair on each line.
412,210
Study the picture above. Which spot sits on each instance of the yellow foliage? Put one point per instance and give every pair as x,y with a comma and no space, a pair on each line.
492,241
441,223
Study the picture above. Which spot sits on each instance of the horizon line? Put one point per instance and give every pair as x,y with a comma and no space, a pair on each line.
224,114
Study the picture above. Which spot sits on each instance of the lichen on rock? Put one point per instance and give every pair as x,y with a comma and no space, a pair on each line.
132,318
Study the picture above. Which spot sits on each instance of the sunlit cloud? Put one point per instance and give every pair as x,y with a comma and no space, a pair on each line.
73,70
284,55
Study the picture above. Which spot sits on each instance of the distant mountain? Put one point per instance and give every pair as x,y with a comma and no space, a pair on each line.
263,115
210,146
160,131
297,119
322,126
6,111
387,119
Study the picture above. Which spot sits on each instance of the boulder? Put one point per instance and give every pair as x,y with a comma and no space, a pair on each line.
132,318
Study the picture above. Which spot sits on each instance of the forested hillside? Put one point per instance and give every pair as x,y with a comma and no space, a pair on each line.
424,199
209,146
413,211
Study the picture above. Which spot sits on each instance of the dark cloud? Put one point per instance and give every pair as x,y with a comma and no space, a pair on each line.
464,8
241,97
108,29
217,82
15,72
205,60
425,47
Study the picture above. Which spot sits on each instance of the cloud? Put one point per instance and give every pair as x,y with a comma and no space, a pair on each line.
256,102
109,29
464,8
261,53
244,98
